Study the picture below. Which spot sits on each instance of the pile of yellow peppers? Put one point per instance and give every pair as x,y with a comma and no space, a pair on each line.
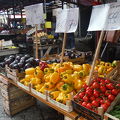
59,80
104,68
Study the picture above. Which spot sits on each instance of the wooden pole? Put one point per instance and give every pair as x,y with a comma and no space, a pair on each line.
96,56
63,47
36,39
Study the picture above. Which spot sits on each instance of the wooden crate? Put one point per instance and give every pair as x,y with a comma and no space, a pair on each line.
12,93
107,116
12,107
4,80
79,60
14,74
115,74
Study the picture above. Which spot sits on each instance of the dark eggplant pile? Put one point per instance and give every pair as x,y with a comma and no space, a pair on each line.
20,62
72,54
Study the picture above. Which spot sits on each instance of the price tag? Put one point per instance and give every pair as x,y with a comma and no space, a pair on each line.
105,17
67,20
34,14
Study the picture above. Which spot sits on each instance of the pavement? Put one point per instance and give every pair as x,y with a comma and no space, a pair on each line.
38,112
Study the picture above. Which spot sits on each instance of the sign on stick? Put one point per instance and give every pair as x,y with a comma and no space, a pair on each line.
34,14
67,20
105,17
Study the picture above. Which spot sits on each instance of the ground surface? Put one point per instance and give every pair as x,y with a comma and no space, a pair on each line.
38,112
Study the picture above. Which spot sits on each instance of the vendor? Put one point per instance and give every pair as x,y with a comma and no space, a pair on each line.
70,43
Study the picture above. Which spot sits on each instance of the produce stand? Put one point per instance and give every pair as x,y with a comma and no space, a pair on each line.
73,115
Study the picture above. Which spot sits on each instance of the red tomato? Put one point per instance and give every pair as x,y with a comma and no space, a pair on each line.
107,81
96,93
88,92
110,86
84,86
95,103
86,99
103,88
115,91
92,98
98,79
89,106
80,102
89,88
104,106
102,81
84,104
108,102
75,97
108,92
95,85
111,97
99,99
118,85
82,94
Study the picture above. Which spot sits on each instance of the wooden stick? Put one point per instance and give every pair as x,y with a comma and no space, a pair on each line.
36,38
63,47
96,56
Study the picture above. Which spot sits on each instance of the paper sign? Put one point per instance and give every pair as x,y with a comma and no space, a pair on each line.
105,17
67,20
34,14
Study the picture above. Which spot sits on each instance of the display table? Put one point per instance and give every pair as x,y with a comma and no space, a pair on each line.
73,115
5,52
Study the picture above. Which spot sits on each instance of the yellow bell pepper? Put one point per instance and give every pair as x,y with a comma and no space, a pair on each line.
75,75
33,81
54,78
54,94
66,88
30,71
101,69
102,63
42,90
82,73
48,70
86,68
39,74
59,84
77,67
61,98
67,78
28,77
78,84
47,77
49,85
22,81
26,83
38,86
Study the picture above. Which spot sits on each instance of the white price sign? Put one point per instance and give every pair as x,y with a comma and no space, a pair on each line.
34,14
105,17
67,20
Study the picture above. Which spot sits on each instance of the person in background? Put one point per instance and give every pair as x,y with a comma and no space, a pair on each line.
70,42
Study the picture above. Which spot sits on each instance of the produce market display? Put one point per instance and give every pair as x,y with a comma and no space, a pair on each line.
59,80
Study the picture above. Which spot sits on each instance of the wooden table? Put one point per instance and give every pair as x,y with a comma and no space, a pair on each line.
73,115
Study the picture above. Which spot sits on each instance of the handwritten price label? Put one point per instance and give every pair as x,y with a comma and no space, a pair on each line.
34,14
107,17
67,20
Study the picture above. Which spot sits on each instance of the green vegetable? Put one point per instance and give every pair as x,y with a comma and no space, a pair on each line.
116,111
